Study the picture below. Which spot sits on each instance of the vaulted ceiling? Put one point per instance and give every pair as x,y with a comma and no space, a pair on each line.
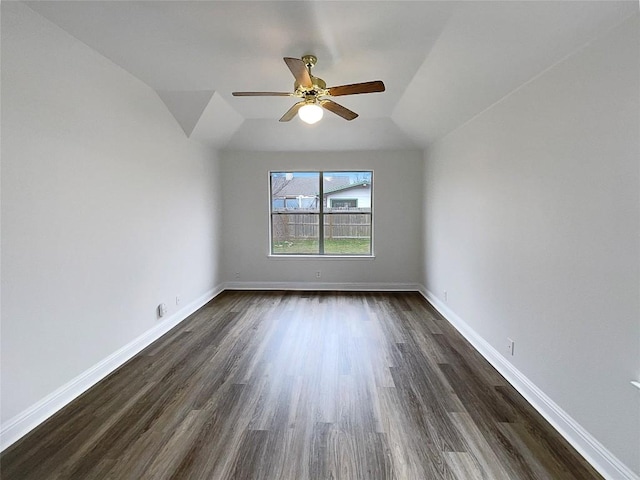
442,62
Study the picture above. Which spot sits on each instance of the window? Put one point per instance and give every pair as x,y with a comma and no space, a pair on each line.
343,203
321,213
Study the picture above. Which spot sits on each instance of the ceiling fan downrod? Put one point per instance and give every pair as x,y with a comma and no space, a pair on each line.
309,61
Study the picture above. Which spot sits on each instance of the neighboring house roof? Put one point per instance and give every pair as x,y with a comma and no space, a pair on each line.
338,188
281,187
307,186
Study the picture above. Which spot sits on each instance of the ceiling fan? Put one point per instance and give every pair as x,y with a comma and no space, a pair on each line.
312,91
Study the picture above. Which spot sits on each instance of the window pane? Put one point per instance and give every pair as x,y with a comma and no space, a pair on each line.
347,234
295,191
295,233
350,191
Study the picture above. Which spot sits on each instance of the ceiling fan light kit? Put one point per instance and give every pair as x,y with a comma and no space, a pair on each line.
312,91
310,113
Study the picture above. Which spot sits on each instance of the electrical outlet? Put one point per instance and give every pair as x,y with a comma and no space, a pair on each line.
237,275
318,274
511,345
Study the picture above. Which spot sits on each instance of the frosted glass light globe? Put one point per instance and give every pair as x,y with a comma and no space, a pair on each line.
310,113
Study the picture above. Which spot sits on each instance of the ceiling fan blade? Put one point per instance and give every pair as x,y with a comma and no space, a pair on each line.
355,88
299,70
338,109
292,112
261,94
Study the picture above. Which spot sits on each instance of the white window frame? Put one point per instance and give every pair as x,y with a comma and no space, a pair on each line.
321,214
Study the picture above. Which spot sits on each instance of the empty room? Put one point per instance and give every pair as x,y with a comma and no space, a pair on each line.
320,240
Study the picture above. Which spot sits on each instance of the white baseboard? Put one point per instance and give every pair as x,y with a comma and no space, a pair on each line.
589,447
24,422
345,286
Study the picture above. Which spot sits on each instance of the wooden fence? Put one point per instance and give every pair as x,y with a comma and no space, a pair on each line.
287,226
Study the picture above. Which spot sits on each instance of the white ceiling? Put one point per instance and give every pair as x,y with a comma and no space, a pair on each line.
442,62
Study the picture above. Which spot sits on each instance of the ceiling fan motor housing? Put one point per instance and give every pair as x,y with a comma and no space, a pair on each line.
319,87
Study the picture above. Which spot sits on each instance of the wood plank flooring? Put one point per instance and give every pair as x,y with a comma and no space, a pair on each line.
301,385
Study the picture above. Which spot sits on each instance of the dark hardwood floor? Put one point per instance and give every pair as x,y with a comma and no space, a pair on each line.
301,385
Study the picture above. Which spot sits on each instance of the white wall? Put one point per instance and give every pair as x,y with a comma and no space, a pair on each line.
397,191
107,209
532,215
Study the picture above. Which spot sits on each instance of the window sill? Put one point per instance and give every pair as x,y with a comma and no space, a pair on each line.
329,257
